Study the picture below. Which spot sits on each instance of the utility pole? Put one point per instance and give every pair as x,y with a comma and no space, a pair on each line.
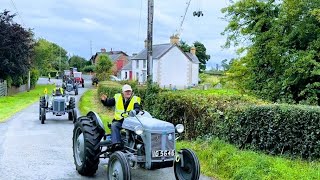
90,48
60,60
149,41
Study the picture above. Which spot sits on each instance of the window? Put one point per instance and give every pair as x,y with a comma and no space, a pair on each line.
137,65
137,76
126,75
144,63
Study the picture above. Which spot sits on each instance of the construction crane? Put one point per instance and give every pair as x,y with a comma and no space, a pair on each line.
179,30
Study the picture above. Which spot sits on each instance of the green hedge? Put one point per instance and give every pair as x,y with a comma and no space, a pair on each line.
198,112
110,88
276,129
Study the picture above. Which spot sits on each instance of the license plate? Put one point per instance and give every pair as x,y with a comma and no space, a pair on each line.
163,153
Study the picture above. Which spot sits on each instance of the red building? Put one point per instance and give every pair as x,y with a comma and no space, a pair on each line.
119,58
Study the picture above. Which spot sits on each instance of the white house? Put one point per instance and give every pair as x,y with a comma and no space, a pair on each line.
126,72
171,66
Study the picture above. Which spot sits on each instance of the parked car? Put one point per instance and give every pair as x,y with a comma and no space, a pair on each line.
114,78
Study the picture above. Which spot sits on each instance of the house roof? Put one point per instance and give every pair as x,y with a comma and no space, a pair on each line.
116,52
114,57
157,51
128,66
193,58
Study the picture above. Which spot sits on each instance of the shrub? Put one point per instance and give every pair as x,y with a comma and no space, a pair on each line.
34,76
276,129
89,68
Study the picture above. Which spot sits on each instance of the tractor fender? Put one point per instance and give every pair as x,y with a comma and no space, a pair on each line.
94,116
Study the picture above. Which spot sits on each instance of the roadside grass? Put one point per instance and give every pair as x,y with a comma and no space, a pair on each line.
209,79
224,161
9,105
89,102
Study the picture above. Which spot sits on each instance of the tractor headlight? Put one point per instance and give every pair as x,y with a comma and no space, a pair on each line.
179,128
138,130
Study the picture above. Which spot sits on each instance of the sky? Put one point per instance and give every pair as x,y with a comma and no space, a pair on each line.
83,27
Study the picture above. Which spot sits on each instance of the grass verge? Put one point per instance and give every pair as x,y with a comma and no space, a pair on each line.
9,105
90,102
224,161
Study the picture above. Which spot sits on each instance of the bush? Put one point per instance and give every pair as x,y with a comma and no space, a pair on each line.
9,81
276,129
34,76
90,68
17,81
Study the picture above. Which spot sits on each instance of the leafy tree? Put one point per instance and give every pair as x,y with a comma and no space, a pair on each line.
78,62
184,46
47,57
90,68
103,68
200,53
225,65
281,43
16,45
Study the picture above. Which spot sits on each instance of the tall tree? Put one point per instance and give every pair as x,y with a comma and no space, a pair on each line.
103,68
49,56
281,42
78,62
201,53
16,45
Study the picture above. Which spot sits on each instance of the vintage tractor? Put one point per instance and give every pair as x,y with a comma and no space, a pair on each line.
77,77
58,105
69,85
147,143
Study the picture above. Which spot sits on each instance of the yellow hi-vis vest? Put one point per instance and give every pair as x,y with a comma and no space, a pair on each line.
119,107
58,89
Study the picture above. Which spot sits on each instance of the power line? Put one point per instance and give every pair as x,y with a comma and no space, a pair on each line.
14,6
179,30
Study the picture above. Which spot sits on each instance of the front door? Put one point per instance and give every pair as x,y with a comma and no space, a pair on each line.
144,76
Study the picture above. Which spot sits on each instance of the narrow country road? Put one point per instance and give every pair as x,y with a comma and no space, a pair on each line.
31,150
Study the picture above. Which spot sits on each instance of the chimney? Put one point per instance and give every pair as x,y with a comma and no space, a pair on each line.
174,39
103,50
193,50
146,43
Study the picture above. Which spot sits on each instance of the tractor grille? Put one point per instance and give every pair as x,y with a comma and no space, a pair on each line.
162,142
58,106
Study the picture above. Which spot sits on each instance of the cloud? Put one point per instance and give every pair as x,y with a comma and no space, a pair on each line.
115,23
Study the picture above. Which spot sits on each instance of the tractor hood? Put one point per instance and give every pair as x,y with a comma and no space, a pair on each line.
148,123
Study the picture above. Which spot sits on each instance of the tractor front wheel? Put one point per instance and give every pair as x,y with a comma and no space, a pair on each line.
42,115
188,167
86,150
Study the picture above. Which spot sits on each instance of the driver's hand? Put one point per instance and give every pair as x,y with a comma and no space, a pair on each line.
132,113
104,97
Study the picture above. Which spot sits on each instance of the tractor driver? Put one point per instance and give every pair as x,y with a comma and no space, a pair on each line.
123,102
58,91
